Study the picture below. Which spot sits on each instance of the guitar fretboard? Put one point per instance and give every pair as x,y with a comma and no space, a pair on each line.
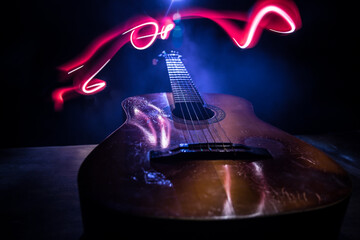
182,86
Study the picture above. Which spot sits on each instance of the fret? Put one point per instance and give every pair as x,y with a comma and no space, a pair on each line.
187,99
179,74
180,77
187,89
186,96
182,85
183,88
183,93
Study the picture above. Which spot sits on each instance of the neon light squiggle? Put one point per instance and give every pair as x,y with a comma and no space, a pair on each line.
254,25
85,67
134,37
97,85
279,16
276,16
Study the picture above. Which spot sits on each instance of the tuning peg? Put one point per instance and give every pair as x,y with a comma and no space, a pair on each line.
162,54
172,53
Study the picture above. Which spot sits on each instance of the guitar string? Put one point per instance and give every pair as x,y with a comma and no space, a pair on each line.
183,96
223,131
180,67
218,122
182,112
172,76
199,100
208,117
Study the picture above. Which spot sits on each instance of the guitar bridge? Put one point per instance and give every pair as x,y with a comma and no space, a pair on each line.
209,151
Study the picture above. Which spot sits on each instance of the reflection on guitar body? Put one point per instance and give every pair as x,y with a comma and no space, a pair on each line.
206,165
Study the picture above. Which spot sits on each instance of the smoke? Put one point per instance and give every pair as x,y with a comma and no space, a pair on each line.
215,63
259,74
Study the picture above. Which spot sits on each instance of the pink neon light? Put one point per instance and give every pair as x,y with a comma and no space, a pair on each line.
75,69
255,23
166,29
97,84
58,96
85,67
279,16
134,36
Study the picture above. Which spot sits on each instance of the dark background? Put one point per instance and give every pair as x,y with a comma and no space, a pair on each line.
303,83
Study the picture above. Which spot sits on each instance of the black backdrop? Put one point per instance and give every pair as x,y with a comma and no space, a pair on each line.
304,83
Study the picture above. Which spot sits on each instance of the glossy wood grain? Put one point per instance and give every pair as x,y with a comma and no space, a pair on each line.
118,175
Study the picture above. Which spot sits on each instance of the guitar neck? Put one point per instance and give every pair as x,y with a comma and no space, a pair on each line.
183,88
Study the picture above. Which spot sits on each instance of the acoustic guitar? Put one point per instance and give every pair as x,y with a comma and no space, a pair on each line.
195,166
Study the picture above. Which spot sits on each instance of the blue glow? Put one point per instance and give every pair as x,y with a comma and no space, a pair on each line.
156,178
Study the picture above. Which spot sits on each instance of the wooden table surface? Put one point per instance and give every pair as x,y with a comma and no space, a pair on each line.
39,198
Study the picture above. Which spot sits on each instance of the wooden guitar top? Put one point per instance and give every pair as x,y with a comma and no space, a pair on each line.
119,175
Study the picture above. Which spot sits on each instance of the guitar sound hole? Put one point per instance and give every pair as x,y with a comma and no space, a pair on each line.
192,111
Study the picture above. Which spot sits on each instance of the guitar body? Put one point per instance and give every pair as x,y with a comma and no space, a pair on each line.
297,191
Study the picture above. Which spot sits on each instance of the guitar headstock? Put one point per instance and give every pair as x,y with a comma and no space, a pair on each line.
172,54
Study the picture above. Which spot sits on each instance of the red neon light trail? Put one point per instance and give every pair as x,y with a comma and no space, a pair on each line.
276,16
